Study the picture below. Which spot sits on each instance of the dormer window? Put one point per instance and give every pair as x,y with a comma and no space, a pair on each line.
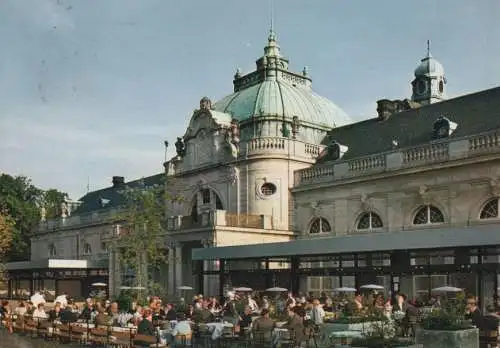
335,151
443,127
103,202
332,152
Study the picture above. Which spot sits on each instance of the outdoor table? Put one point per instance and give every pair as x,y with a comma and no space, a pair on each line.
216,329
344,338
279,334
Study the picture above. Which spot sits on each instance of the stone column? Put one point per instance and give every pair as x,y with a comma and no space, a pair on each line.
178,265
114,273
171,269
208,265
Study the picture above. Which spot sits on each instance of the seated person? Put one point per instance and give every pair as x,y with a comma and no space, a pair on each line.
204,315
101,319
246,318
55,314
146,328
295,325
262,327
171,313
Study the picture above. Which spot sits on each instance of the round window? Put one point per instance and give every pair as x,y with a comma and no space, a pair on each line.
268,189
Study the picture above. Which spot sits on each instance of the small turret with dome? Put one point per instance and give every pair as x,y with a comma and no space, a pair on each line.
429,85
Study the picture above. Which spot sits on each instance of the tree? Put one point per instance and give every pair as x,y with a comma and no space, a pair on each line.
140,237
22,201
52,200
6,229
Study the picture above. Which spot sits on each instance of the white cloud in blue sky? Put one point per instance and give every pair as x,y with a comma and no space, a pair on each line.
92,88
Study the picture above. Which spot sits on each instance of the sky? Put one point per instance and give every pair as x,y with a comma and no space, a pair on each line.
90,89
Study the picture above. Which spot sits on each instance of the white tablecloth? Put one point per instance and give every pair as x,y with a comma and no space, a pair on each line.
216,329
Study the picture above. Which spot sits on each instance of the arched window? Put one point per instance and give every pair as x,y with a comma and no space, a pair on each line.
428,214
320,225
52,250
490,210
87,249
208,197
369,221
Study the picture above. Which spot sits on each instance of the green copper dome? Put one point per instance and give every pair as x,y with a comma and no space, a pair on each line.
273,91
282,99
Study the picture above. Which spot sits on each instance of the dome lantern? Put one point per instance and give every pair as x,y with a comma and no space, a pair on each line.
429,84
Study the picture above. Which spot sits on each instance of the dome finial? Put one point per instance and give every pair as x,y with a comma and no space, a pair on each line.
429,48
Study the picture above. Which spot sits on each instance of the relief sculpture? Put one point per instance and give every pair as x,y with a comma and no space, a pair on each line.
233,138
179,147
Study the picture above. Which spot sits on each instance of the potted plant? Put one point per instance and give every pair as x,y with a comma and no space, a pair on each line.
382,334
446,327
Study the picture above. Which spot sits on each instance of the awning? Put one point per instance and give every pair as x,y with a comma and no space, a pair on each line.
426,238
52,264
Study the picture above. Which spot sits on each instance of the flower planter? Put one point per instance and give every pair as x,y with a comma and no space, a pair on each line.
325,336
448,339
410,346
366,326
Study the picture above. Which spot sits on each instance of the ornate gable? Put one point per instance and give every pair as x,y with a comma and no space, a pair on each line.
211,137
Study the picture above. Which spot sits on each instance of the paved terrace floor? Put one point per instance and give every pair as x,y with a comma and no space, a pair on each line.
18,341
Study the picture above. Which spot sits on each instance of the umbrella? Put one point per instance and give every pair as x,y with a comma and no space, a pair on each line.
243,289
345,289
99,284
447,289
276,289
184,287
372,287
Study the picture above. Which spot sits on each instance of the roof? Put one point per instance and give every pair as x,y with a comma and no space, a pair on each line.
272,90
470,236
281,98
474,113
113,195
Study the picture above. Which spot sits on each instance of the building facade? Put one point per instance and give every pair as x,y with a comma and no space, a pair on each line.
276,180
408,200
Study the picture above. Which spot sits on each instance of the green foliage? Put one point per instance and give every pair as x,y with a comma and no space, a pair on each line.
52,200
450,317
125,299
22,201
141,239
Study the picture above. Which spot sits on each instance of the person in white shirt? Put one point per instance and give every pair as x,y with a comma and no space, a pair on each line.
37,298
252,304
62,299
20,309
317,313
40,313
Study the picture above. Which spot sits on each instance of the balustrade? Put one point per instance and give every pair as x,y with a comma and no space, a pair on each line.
434,152
285,146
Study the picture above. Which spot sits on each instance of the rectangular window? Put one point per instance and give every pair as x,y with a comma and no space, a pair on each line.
205,194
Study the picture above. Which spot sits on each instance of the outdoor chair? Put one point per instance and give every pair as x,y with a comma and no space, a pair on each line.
99,336
262,339
141,341
488,339
202,336
78,333
62,332
313,334
30,326
228,337
121,339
